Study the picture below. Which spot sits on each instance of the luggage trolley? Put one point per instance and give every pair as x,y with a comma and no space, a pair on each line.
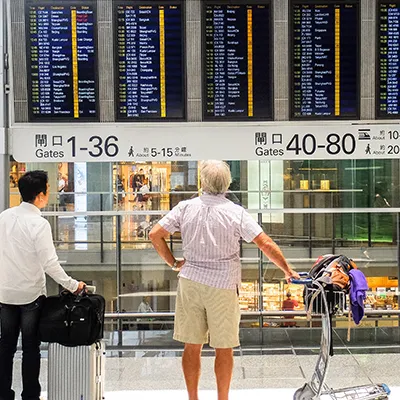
316,388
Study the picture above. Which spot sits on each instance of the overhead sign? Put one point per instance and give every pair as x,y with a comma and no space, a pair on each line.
187,141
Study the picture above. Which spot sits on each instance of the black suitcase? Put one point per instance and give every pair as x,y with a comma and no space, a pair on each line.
72,320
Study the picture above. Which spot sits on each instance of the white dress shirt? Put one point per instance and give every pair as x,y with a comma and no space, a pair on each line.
144,307
27,253
211,228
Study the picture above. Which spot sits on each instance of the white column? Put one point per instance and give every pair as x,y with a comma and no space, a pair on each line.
4,156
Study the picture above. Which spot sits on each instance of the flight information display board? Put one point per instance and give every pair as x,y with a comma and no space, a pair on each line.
325,59
62,63
388,103
150,62
237,60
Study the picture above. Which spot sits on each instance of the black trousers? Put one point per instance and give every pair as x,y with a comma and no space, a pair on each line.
13,320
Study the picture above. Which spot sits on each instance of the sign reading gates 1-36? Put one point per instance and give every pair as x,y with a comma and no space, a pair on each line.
188,141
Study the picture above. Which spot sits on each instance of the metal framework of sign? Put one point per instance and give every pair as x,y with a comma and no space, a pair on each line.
203,141
2,141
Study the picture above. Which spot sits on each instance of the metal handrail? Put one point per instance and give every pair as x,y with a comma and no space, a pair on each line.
192,192
363,210
299,313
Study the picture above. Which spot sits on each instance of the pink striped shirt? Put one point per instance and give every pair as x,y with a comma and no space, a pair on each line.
211,226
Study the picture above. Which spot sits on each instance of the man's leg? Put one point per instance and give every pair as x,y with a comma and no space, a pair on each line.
9,322
191,364
30,315
191,328
223,368
224,333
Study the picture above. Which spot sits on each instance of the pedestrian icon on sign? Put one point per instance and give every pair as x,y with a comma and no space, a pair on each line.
130,152
368,149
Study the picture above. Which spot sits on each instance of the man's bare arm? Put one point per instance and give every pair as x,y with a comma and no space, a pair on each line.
274,253
157,236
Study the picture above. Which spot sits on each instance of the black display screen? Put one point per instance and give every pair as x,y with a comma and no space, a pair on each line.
388,60
150,61
61,61
325,59
237,61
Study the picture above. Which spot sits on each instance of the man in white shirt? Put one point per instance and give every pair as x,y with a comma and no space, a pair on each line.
144,307
27,253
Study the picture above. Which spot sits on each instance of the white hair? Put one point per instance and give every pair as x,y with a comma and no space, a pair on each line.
215,176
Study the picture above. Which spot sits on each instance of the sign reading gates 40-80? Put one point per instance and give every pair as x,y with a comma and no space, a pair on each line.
186,141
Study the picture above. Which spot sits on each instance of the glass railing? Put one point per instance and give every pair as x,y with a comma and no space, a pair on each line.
111,250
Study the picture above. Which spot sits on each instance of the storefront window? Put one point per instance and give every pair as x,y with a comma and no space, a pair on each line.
369,238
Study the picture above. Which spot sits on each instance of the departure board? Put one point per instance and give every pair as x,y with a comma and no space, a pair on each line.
389,60
325,59
237,61
150,60
61,61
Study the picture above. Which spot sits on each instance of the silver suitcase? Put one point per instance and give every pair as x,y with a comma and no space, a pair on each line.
76,373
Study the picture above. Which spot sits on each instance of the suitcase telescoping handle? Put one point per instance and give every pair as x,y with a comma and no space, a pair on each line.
304,281
90,289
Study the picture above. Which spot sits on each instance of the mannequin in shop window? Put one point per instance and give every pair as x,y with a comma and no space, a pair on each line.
13,184
120,190
137,183
138,180
144,194
150,180
62,184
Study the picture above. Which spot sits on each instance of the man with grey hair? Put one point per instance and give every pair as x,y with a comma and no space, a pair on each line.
207,304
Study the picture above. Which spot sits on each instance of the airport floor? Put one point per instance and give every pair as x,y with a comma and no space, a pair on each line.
253,394
152,375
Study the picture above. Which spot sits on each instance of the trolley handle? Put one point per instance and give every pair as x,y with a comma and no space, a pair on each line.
304,281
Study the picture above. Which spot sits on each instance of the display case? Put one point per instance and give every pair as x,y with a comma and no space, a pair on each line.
16,171
248,296
383,293
273,295
382,300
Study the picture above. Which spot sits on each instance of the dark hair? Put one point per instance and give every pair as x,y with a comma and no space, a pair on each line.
31,184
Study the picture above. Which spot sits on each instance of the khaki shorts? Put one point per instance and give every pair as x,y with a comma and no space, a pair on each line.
206,314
